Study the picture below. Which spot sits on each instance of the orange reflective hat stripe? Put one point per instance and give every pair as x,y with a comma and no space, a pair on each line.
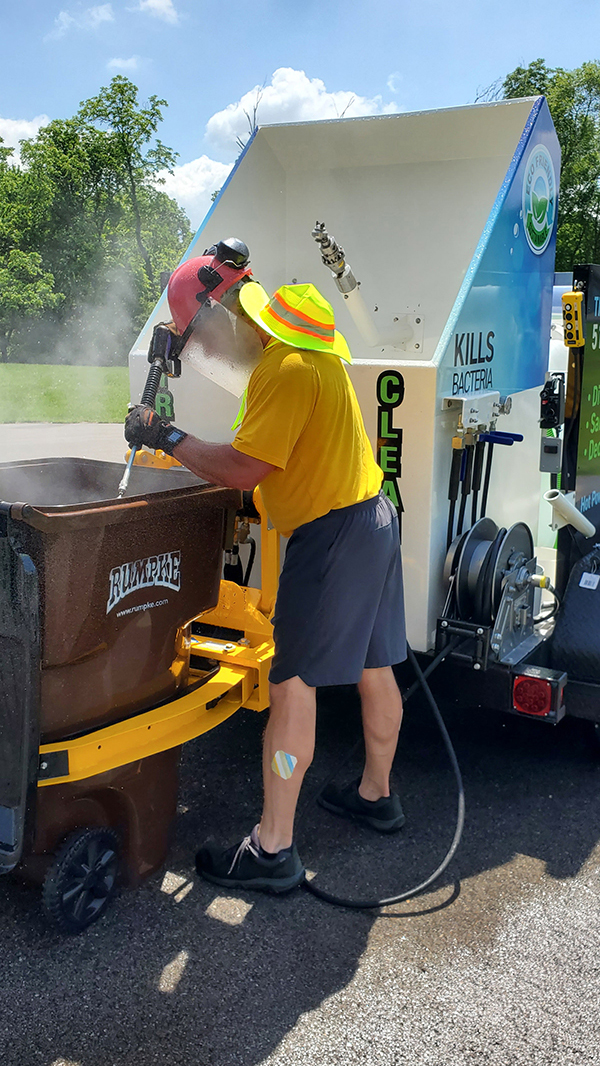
295,322
295,327
301,314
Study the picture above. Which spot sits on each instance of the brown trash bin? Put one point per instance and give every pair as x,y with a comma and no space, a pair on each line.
95,594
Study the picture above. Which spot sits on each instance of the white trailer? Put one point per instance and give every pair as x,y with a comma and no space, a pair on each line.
448,219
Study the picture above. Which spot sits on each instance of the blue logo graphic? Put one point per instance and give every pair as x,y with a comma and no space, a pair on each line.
539,199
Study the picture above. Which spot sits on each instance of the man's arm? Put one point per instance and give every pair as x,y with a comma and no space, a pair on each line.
221,464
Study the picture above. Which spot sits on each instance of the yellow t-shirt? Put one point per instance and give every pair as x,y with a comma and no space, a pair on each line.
302,416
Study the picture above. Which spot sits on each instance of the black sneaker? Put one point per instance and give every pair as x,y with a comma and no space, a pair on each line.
385,814
246,865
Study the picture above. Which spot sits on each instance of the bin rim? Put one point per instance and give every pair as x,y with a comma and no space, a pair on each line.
110,510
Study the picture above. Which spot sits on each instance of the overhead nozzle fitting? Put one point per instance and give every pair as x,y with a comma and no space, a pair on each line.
332,253
333,257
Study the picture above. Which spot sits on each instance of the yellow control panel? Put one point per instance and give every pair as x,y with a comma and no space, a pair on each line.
573,321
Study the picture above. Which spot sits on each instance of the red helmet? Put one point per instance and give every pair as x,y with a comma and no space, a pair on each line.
222,266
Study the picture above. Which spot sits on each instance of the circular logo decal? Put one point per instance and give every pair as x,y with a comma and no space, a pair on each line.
539,199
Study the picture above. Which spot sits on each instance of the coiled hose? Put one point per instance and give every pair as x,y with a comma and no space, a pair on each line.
421,682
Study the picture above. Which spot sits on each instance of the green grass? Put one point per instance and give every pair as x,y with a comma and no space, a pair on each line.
47,393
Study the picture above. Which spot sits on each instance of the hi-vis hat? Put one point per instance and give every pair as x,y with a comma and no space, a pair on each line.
297,315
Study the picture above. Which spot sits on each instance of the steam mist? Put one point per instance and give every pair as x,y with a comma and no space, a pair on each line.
100,332
91,346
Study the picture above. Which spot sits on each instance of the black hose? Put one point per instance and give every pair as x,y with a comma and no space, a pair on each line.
466,487
474,508
449,536
251,541
477,472
155,373
453,491
551,612
461,515
486,481
572,423
339,901
483,613
455,644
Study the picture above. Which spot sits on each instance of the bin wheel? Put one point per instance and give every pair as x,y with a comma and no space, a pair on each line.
82,879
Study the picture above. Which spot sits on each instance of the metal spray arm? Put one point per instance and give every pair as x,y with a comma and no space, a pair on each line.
333,257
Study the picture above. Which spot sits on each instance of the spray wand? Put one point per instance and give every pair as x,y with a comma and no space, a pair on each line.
164,361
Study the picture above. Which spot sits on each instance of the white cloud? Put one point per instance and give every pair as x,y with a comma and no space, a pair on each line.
193,183
130,64
89,19
95,15
13,130
291,97
394,82
62,23
160,9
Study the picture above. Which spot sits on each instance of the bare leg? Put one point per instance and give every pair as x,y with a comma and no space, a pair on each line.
291,730
382,716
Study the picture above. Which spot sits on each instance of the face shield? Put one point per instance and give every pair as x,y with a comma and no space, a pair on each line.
223,346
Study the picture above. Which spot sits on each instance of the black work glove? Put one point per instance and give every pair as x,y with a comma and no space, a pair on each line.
144,426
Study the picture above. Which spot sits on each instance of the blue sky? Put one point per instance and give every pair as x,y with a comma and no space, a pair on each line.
311,60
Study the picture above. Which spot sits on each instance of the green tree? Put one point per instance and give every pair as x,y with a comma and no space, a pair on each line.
166,234
26,291
75,165
574,101
131,129
88,201
24,203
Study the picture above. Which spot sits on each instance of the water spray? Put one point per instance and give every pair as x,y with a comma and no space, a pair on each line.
398,330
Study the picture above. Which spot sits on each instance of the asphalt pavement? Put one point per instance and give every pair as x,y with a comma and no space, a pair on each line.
497,965
44,440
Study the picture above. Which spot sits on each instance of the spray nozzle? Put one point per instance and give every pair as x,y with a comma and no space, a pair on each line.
332,253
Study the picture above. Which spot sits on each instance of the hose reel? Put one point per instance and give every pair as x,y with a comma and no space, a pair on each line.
490,591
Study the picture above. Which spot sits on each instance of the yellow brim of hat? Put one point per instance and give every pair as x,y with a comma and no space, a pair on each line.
254,299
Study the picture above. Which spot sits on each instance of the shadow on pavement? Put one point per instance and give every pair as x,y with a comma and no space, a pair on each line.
179,973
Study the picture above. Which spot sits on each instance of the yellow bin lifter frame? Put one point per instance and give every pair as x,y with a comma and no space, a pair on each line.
241,681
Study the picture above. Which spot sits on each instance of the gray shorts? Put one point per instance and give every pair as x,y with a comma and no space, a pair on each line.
340,606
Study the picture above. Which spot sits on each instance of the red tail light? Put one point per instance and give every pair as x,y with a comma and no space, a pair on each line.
538,692
532,695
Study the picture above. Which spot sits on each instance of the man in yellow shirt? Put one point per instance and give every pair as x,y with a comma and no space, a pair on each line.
339,615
